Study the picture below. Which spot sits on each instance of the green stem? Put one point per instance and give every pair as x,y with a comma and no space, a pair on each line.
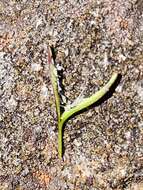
60,139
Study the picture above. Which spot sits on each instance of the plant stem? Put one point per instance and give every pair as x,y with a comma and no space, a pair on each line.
60,139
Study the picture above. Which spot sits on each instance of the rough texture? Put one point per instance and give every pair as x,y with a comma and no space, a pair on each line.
104,145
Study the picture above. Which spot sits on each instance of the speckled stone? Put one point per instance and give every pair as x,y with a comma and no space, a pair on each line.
91,39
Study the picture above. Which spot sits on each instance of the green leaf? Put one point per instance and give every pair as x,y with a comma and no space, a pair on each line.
54,81
86,102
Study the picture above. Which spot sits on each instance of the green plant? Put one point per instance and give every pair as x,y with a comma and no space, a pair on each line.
86,102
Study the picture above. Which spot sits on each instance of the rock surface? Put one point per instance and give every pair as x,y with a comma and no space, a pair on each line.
92,39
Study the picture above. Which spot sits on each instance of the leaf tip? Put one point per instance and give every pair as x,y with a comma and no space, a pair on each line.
49,55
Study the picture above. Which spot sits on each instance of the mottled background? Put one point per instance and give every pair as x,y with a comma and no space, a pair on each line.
92,39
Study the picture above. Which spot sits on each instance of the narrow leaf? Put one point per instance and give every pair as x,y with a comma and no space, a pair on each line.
54,81
86,102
